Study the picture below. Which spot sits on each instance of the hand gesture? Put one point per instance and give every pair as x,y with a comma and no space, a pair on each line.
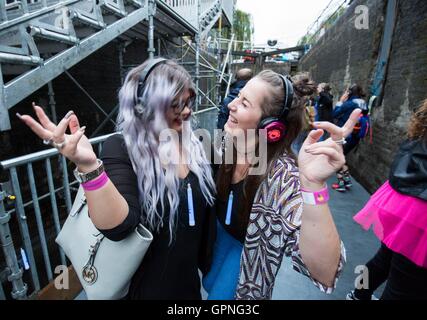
345,96
75,146
317,161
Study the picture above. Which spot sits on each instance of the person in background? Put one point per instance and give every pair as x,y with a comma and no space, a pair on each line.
323,104
352,99
242,77
397,211
307,126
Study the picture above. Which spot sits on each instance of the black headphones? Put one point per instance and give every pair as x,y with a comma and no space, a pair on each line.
145,73
276,126
151,65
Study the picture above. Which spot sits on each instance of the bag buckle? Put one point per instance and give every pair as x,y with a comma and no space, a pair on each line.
89,271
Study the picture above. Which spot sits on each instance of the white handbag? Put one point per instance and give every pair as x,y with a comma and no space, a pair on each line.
104,267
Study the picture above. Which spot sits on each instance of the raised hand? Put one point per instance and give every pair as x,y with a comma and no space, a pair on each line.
75,146
345,96
317,161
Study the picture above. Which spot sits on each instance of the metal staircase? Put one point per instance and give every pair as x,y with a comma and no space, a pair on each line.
49,37
209,17
40,39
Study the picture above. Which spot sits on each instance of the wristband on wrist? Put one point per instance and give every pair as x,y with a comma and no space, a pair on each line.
315,197
96,183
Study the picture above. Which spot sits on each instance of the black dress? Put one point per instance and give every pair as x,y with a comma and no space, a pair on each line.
168,271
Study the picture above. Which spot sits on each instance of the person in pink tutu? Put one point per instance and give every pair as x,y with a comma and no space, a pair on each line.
397,213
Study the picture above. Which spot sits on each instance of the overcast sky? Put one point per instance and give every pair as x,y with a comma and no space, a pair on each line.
284,20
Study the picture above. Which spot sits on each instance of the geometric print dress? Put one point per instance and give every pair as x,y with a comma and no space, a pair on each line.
273,232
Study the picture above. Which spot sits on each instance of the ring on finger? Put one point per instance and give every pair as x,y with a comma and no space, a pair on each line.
59,145
342,141
48,141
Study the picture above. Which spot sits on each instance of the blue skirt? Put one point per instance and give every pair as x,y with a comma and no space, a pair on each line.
221,281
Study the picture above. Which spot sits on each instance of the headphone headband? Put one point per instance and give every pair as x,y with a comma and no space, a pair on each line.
146,72
289,96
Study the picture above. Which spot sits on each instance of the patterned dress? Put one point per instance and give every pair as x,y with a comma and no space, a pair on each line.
274,231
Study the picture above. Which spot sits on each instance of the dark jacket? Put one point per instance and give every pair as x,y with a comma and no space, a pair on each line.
323,107
343,110
408,174
224,112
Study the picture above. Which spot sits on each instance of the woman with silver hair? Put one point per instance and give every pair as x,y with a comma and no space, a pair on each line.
140,186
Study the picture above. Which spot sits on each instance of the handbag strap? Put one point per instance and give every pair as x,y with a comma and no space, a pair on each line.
83,202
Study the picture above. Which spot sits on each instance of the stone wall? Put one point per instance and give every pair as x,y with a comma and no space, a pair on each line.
346,55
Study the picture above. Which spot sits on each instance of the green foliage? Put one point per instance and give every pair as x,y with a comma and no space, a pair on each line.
243,28
311,38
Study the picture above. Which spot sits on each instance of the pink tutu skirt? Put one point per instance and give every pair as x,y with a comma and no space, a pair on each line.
399,221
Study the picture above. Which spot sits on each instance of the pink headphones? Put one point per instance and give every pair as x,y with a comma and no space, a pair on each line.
276,126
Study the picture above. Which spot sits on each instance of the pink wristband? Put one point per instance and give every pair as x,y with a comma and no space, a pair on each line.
97,183
315,197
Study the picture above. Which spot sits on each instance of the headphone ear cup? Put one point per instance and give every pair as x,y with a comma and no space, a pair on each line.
265,122
275,129
139,107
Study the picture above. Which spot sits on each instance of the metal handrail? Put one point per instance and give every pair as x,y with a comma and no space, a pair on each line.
228,8
27,252
31,15
41,155
189,10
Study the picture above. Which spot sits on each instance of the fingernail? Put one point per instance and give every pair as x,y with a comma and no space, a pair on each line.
83,128
19,115
69,114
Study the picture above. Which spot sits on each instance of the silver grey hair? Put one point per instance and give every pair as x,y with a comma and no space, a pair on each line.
141,120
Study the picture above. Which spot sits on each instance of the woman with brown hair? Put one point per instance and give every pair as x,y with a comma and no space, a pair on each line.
397,212
283,210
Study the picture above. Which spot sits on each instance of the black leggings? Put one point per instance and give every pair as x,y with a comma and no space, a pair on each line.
405,280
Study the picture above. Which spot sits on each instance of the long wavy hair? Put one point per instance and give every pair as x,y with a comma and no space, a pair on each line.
304,87
141,120
418,124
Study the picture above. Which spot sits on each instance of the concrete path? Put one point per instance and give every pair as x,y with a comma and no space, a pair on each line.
360,246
